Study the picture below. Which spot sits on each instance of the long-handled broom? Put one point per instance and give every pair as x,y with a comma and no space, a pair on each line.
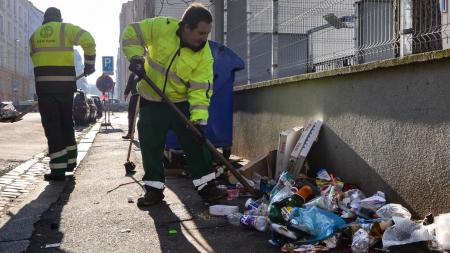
191,126
129,165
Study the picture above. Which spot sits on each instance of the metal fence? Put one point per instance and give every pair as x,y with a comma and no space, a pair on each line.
279,38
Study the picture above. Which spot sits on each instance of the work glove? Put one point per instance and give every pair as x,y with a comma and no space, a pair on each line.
88,69
137,66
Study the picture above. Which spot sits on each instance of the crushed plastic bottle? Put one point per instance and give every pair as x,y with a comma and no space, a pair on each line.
234,219
256,207
259,223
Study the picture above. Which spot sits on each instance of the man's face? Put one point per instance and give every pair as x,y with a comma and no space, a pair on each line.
198,36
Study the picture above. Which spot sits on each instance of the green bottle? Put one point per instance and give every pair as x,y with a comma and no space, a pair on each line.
275,215
297,199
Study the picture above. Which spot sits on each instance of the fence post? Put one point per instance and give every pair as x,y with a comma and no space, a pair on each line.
218,20
406,28
274,71
309,62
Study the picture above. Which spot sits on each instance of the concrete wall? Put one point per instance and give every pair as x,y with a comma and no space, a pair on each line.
386,125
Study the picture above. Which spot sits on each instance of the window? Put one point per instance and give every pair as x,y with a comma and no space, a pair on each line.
443,5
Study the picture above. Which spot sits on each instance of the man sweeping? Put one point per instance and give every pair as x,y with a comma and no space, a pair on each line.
175,55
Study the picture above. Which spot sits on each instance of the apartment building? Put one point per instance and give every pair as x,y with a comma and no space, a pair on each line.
18,19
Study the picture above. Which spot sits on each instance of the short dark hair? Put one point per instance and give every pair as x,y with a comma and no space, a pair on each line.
195,13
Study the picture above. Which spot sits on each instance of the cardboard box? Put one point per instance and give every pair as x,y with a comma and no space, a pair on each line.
286,142
303,146
263,165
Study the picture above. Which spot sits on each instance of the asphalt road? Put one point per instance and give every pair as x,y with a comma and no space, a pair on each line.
20,141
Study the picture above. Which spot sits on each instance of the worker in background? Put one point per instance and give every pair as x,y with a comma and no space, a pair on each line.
131,88
51,50
175,55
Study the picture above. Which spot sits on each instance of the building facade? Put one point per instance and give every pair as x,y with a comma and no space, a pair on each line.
18,20
127,15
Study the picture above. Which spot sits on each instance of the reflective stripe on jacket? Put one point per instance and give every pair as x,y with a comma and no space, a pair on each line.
51,50
190,76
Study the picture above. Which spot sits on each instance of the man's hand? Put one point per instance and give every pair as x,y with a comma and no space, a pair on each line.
88,69
137,66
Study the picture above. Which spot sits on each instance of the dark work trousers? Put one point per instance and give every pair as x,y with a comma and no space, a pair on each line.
155,119
132,111
56,117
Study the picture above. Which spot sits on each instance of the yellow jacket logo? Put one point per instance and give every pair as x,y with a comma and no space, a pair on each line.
46,32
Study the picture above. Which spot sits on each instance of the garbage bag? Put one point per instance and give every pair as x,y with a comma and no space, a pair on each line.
319,223
404,231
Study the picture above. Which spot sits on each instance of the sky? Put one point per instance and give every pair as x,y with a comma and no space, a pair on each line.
98,17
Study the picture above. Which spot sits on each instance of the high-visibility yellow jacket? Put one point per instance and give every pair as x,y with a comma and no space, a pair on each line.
189,73
51,50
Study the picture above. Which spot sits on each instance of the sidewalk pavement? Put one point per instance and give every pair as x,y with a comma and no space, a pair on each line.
92,214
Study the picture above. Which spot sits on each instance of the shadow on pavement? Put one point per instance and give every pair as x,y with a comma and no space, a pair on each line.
46,230
109,131
196,230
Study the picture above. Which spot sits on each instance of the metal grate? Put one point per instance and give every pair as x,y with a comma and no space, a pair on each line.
290,37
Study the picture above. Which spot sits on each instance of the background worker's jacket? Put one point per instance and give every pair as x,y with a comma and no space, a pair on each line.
190,74
51,50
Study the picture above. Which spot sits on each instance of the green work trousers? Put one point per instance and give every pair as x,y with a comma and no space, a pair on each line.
155,119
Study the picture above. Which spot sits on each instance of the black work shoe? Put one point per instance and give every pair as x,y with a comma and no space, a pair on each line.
126,137
152,196
211,193
54,177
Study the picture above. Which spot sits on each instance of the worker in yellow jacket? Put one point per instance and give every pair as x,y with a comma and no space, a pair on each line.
51,50
175,55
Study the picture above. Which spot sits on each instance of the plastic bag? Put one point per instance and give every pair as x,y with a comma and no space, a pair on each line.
391,210
443,230
360,241
284,178
7,111
325,180
404,231
374,202
319,223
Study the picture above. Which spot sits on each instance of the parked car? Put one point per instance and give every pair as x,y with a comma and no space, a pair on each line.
115,105
92,110
98,104
113,100
80,110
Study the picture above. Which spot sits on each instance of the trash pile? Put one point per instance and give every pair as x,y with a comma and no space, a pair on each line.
7,111
304,214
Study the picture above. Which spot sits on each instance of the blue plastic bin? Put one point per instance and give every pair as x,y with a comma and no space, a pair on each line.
220,123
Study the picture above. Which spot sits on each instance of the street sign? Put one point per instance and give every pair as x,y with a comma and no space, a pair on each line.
105,83
108,65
